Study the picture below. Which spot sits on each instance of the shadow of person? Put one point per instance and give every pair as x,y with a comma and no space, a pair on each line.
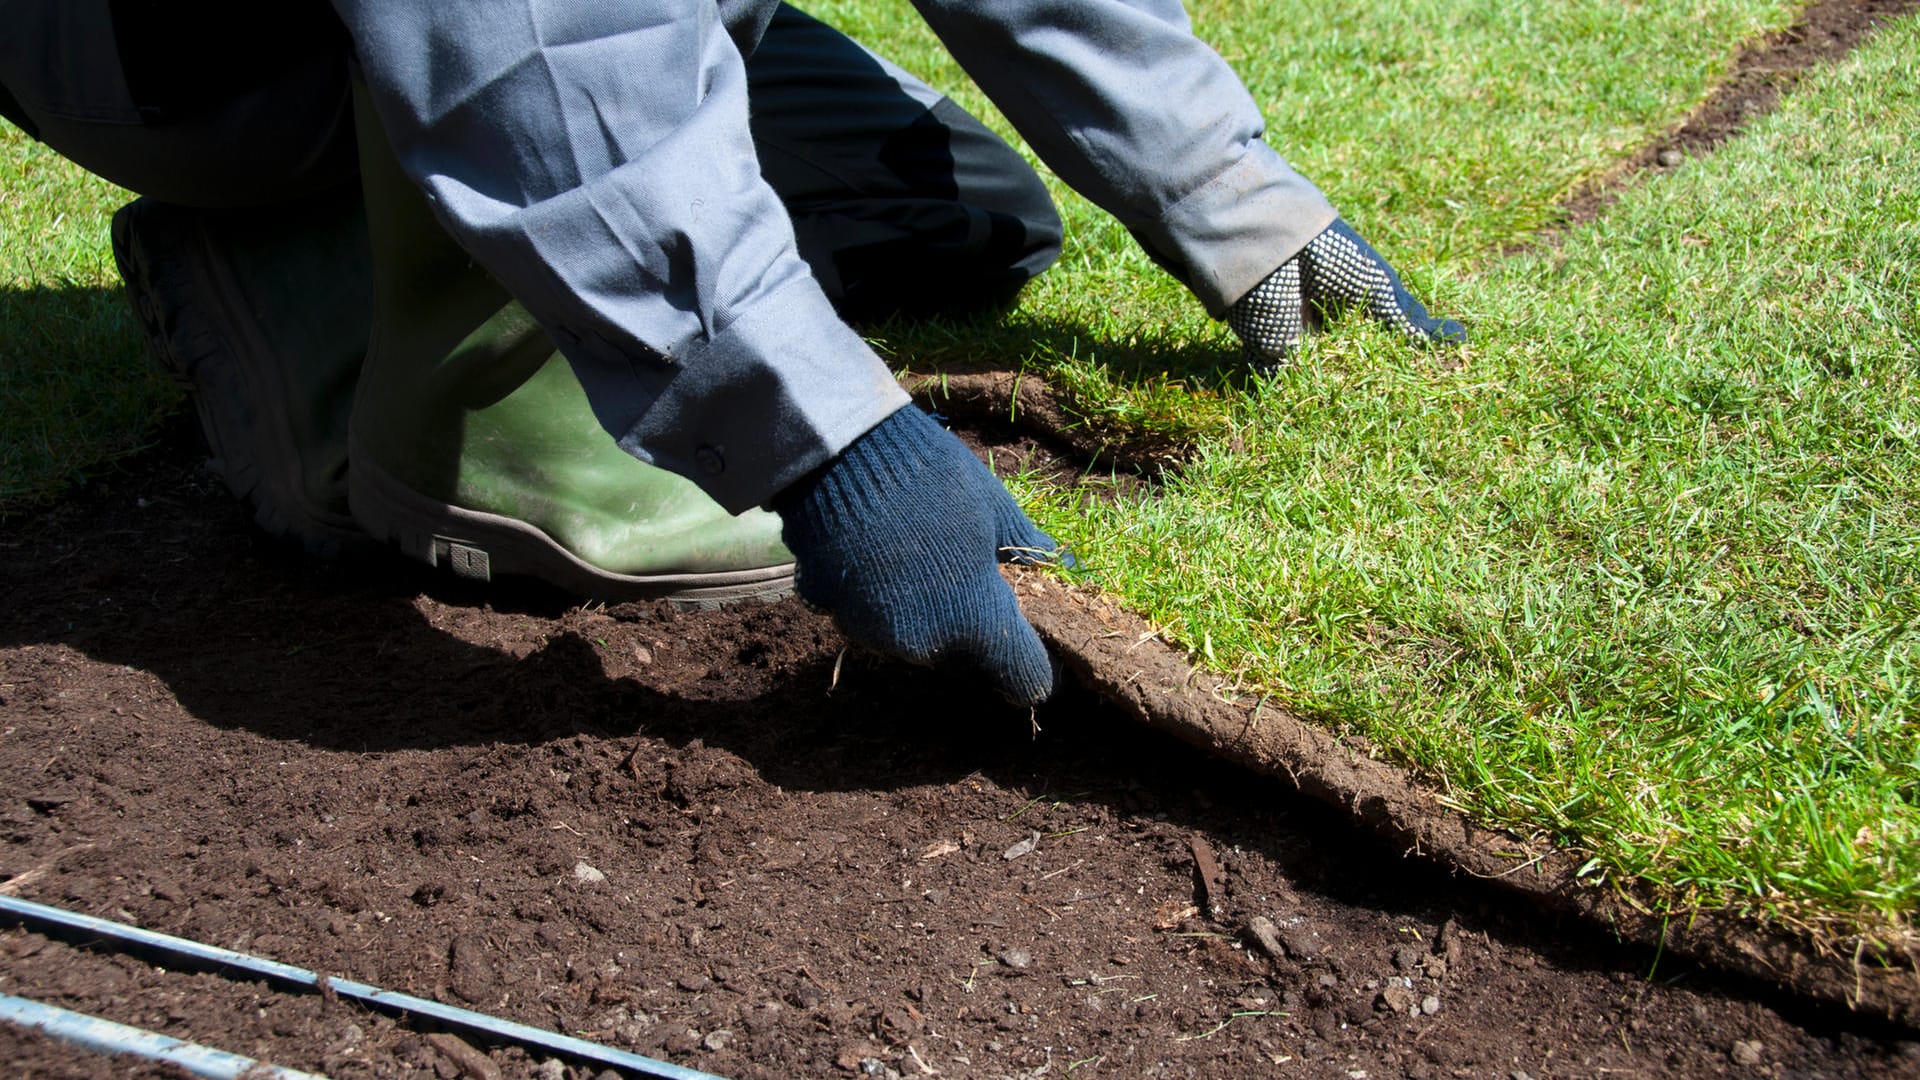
152,593
155,572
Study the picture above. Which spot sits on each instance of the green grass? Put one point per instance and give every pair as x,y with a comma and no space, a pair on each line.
1636,574
1642,575
1444,131
76,389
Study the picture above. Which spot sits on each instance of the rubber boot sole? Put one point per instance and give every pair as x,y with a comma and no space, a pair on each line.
477,546
184,299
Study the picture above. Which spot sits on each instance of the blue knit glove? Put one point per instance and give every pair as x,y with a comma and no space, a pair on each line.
1336,270
899,536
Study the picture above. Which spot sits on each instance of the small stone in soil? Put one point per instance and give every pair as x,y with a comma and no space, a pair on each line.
587,875
1670,157
1747,1052
1395,999
1267,936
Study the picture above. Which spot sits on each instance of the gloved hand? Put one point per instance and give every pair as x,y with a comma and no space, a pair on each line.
899,536
1336,270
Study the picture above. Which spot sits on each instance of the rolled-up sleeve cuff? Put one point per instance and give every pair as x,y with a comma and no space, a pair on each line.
779,392
1236,229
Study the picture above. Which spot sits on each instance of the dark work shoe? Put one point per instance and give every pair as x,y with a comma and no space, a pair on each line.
262,315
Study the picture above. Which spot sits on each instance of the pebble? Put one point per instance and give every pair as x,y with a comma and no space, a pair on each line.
1396,999
1747,1052
1016,958
587,875
550,1069
717,1041
1267,936
1024,847
1430,1004
1669,157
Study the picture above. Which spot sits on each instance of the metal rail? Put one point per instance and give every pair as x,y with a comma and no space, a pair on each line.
108,1037
183,953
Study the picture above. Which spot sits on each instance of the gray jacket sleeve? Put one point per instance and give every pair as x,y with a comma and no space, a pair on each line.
1126,105
595,158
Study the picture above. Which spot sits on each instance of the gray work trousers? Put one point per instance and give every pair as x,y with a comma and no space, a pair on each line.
901,201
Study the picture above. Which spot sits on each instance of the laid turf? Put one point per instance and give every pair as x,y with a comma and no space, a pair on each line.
1636,571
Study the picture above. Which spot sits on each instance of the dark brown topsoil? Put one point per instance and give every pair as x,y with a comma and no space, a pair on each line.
707,838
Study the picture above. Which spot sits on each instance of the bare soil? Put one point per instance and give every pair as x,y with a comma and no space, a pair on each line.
715,839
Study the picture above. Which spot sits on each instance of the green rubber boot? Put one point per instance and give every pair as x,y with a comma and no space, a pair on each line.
474,447
262,316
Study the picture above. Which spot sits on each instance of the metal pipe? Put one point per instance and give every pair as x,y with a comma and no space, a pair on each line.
108,1037
181,952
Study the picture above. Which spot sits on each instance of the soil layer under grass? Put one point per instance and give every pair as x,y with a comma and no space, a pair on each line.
707,838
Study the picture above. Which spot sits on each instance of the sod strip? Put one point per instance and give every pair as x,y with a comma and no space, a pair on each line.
1639,574
1120,657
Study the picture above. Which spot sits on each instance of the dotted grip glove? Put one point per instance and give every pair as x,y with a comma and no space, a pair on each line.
899,536
1335,271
